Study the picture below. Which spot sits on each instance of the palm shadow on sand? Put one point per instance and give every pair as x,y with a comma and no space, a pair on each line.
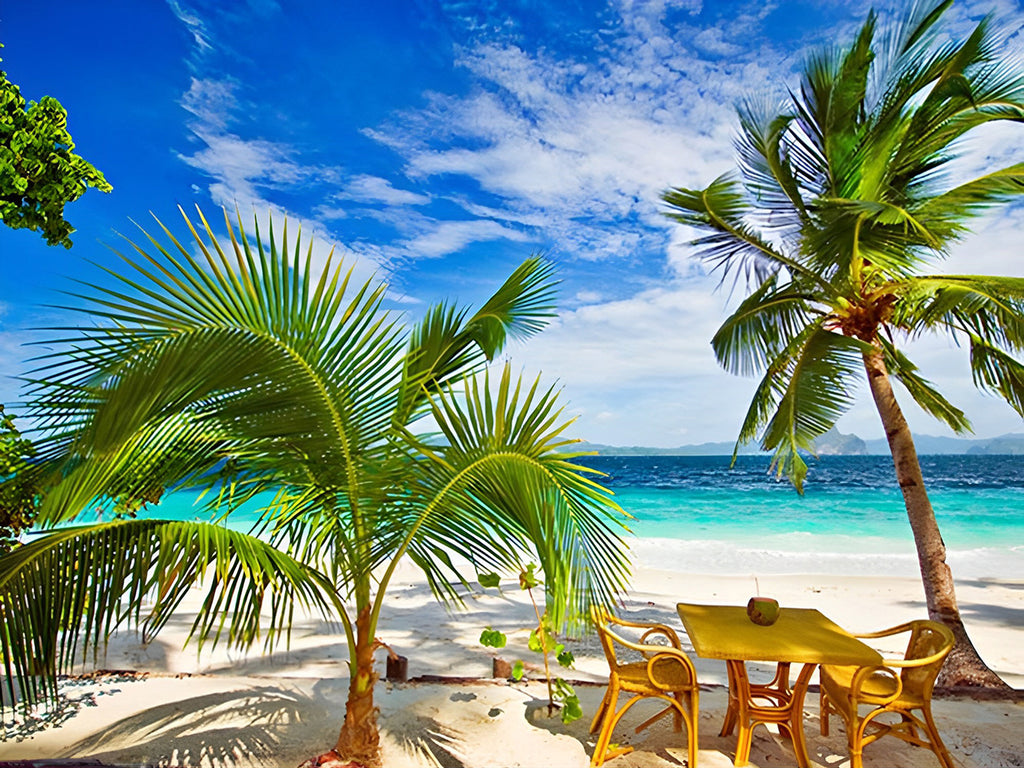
263,726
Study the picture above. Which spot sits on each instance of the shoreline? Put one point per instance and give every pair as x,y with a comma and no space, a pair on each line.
252,710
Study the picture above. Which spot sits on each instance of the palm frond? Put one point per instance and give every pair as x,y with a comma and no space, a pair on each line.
733,245
447,344
813,390
255,357
925,395
993,369
500,485
844,116
765,164
973,197
65,592
988,306
762,326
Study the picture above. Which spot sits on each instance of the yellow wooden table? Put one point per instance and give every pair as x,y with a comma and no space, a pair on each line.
800,636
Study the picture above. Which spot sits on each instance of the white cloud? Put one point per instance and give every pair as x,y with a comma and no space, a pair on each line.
193,22
373,189
583,151
211,101
452,236
241,167
575,152
641,371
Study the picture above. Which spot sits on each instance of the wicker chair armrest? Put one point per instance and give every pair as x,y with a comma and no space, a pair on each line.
670,654
665,631
646,649
923,661
651,627
862,674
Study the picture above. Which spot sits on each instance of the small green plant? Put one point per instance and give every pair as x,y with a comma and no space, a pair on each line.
543,640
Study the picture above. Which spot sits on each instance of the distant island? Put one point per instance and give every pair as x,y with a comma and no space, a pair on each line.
834,443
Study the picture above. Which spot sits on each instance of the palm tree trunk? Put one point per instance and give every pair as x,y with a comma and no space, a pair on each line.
359,740
963,667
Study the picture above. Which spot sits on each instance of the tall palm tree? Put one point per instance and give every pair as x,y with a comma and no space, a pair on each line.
844,193
242,370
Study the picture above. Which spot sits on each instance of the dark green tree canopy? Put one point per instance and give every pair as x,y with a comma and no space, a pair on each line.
19,490
39,171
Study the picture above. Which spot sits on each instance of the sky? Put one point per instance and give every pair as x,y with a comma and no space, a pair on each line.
437,144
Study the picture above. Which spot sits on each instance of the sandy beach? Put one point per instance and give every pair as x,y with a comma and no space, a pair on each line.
230,709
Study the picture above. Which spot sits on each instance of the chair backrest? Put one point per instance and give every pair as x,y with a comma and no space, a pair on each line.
927,638
600,618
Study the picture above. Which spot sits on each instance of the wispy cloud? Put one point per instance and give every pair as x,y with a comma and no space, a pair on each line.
252,172
568,147
374,189
452,236
584,147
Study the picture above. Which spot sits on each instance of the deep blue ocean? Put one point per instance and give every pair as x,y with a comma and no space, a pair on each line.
695,514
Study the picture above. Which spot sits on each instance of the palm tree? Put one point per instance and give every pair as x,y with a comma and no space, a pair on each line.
239,370
844,193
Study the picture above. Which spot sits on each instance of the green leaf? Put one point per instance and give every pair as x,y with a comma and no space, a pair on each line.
536,641
517,670
998,372
39,172
565,658
493,638
813,391
528,578
489,580
565,696
66,591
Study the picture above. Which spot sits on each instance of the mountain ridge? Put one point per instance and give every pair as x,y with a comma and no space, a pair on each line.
833,443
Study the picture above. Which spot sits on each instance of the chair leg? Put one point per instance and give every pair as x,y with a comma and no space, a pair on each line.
692,733
823,711
599,715
936,741
611,720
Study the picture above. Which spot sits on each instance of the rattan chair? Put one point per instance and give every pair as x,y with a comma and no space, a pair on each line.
662,672
845,690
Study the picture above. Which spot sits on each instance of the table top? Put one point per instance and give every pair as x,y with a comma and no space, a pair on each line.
800,635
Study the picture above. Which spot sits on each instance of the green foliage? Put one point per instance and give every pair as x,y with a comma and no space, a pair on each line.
489,580
19,482
542,640
493,638
242,366
39,172
565,695
840,198
565,658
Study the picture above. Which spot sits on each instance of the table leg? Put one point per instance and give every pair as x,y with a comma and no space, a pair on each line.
796,718
739,704
785,709
731,712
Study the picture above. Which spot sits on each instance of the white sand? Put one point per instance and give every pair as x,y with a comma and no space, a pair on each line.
256,710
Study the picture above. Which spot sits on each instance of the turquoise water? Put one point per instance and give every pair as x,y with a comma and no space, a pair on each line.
695,514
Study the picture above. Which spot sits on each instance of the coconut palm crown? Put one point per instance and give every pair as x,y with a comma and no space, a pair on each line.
844,194
247,370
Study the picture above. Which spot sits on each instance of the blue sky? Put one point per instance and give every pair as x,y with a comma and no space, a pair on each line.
441,143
